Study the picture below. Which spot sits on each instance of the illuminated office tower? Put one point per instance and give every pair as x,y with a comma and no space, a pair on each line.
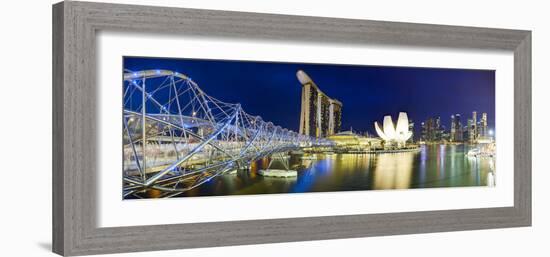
456,128
483,125
440,129
453,129
474,125
432,130
459,129
428,130
470,128
320,116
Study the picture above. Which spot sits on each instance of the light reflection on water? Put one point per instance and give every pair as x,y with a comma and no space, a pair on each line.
431,166
393,171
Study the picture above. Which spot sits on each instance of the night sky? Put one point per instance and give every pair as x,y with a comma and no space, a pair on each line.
368,93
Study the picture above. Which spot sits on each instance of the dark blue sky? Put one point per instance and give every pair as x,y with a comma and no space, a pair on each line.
272,90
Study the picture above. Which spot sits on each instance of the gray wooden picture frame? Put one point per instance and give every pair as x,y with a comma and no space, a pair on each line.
75,25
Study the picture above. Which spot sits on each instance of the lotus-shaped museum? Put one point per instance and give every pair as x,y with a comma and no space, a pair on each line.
394,134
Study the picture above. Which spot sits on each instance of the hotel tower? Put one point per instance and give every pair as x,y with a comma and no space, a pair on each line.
320,116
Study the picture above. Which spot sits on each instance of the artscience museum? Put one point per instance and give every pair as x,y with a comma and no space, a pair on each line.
394,135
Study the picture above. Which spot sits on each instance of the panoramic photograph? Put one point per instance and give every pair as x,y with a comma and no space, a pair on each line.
198,127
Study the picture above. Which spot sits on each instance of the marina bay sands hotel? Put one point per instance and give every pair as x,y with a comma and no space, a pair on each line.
320,115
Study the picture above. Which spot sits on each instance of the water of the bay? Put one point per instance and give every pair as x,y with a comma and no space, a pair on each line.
432,166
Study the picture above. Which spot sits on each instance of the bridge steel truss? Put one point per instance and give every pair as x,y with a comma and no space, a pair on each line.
176,137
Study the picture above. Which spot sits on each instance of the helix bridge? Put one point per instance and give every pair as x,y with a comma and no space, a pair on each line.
176,137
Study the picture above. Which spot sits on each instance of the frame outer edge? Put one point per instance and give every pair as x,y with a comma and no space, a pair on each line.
523,130
268,26
58,204
73,229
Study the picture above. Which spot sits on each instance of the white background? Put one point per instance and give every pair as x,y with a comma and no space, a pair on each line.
25,219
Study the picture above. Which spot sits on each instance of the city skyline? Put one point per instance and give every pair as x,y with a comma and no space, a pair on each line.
469,130
367,92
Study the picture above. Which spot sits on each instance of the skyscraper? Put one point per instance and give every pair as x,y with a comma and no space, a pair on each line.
483,126
427,130
320,116
431,130
453,128
456,128
335,117
411,129
440,129
474,124
471,128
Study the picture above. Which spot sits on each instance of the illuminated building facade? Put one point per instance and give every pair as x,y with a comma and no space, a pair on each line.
348,140
470,131
474,127
411,129
391,134
483,126
473,132
432,130
320,115
457,132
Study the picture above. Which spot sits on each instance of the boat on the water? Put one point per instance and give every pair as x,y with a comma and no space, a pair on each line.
476,152
473,152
